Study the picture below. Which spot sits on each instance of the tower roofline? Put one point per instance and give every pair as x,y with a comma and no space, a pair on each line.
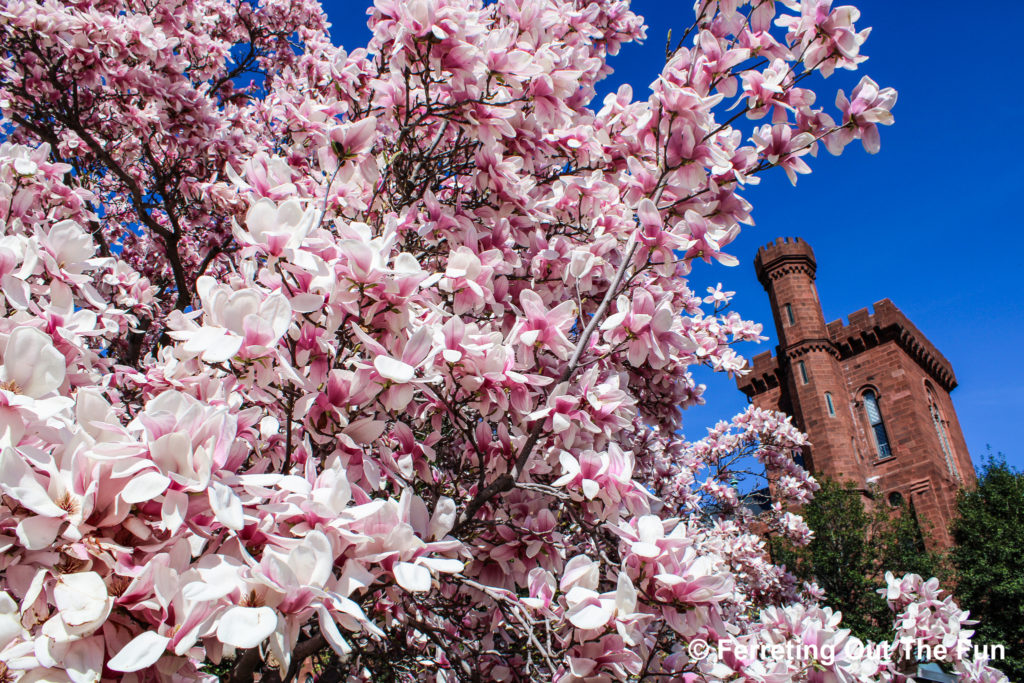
888,323
865,330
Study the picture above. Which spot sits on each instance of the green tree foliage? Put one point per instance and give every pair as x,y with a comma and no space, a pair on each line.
854,544
989,560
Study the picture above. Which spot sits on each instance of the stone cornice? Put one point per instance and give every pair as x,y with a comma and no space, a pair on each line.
763,375
778,271
805,346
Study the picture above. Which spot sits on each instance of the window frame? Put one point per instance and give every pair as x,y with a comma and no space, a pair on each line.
883,446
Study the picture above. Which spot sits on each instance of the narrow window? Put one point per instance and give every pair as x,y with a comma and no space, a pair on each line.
940,431
831,406
789,315
877,426
803,371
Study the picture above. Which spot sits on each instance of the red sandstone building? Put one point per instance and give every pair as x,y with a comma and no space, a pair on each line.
872,394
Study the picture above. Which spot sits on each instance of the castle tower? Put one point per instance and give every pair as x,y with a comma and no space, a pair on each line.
809,363
872,394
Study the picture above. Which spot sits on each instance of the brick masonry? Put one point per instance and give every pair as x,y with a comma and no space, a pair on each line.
877,351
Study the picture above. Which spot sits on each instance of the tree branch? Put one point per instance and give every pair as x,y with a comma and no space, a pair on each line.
507,481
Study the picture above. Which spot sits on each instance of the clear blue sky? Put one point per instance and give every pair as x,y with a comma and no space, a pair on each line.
932,222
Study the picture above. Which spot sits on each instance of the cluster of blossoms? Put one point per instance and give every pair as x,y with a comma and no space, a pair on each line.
379,355
928,619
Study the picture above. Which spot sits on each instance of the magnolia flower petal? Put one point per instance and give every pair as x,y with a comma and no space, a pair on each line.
246,627
580,571
261,218
221,346
82,601
32,363
581,667
278,313
331,633
83,660
145,486
312,560
443,519
590,616
625,595
227,507
143,651
445,565
394,370
173,510
648,550
306,303
412,577
648,214
37,533
650,528
10,620
20,483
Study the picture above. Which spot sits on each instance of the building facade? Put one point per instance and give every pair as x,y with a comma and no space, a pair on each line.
872,394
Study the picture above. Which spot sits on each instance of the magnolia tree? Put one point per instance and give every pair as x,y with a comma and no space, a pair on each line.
381,354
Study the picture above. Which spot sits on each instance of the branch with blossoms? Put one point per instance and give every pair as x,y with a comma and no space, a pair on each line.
380,358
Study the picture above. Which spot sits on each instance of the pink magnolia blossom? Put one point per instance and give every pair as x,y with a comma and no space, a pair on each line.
868,107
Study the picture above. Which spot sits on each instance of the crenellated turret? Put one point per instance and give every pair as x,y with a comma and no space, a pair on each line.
808,360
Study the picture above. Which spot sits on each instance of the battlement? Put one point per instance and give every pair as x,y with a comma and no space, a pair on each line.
786,244
866,330
764,374
782,256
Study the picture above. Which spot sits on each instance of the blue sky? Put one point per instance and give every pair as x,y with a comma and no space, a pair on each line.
932,222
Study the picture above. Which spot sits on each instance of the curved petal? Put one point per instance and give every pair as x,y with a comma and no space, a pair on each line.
32,363
394,370
143,651
82,601
412,577
246,627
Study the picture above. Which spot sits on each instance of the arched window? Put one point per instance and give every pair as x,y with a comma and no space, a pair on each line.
789,314
940,431
877,426
830,405
803,371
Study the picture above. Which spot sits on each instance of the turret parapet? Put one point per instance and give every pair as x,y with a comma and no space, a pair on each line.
783,256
